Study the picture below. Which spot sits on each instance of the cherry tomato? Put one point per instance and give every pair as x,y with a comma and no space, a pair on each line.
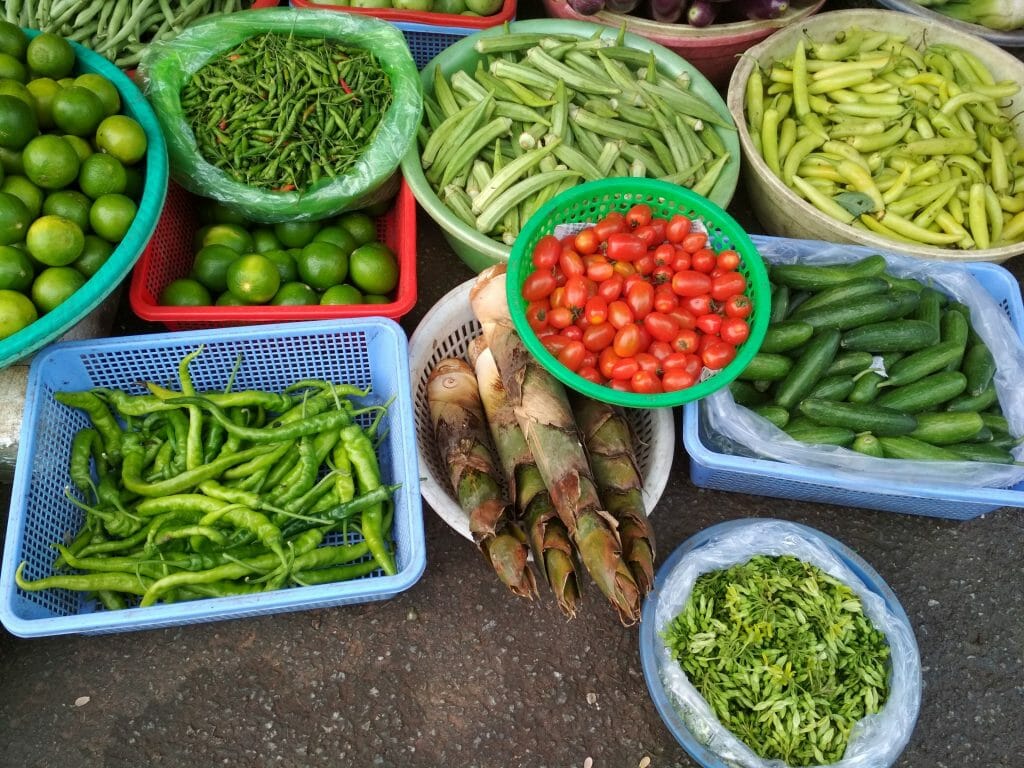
546,252
639,215
698,305
632,280
718,354
586,241
681,261
625,246
640,298
538,285
738,306
560,318
599,271
591,374
589,360
648,235
612,288
573,332
661,350
686,340
694,241
665,299
627,340
624,368
606,360
557,297
727,285
596,310
619,314
646,264
662,327
572,355
576,294
660,226
555,343
677,379
728,259
571,263
537,316
620,385
662,275
611,223
683,317
678,228
689,283
646,383
648,362
686,361
703,260
645,338
624,268
734,330
709,323
665,254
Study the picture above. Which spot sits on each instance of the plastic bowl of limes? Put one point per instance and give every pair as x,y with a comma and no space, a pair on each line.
83,176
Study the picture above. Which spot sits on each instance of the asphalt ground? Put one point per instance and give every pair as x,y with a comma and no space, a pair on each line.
457,672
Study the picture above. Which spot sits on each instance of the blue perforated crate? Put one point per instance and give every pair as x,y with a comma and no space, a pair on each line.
710,468
371,352
427,40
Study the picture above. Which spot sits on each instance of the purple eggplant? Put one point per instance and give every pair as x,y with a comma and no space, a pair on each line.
586,7
762,9
701,13
667,11
621,6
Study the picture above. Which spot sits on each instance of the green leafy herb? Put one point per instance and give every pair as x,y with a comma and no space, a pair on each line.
784,655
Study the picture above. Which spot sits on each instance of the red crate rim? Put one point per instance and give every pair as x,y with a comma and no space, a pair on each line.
507,13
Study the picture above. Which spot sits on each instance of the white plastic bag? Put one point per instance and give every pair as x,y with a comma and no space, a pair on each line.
756,436
877,740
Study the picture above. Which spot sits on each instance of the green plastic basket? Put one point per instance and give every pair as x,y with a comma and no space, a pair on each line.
589,203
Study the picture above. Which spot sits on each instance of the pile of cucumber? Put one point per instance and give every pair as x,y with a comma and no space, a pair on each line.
884,365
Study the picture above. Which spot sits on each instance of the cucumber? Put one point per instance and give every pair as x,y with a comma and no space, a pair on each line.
980,402
882,422
821,435
779,304
946,428
842,293
865,387
836,387
925,394
784,336
904,447
929,308
922,363
891,336
983,452
903,283
745,394
849,362
766,367
979,367
818,354
869,445
776,414
818,277
983,435
954,328
996,422
858,312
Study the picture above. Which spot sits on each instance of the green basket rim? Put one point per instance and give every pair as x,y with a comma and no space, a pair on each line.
520,265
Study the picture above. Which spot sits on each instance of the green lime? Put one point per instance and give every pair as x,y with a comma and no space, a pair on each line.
362,227
16,270
15,219
10,161
31,195
322,265
296,234
12,69
122,137
285,263
77,110
111,216
228,299
185,292
264,239
295,294
43,89
49,55
449,6
376,298
210,267
342,294
16,312
253,278
54,240
18,91
55,285
104,89
50,162
373,269
335,234
13,41
71,204
234,236
18,122
102,175
94,255
82,147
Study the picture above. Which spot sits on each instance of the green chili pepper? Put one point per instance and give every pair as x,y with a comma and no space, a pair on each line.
102,419
364,462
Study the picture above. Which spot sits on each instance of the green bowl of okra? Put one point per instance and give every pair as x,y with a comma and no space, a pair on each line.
669,124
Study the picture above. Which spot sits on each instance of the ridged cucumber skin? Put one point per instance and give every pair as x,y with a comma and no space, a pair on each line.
881,422
926,394
891,336
940,428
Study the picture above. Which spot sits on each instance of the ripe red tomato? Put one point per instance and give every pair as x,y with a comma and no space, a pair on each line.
718,354
538,285
694,241
555,343
573,332
611,223
709,323
612,288
596,310
689,283
576,294
648,235
698,305
586,241
606,360
684,317
537,316
640,298
639,215
560,318
591,374
703,260
619,314
728,260
660,227
686,361
646,264
648,362
682,260
664,255
546,252
662,275
572,355
738,306
662,327
729,284
625,246
665,299
600,270
677,379
686,340
627,340
678,227
571,263
661,350
624,368
646,383
734,330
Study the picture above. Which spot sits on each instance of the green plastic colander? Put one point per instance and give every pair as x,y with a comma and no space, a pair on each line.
592,201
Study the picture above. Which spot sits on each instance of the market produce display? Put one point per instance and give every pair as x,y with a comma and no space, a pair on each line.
468,7
70,174
883,365
995,14
911,144
192,494
696,13
542,113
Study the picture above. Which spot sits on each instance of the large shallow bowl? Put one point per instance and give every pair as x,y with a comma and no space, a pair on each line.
735,542
713,49
1013,38
85,300
446,331
780,210
479,251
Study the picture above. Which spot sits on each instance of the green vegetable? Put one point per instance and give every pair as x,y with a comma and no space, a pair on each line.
891,336
775,645
879,420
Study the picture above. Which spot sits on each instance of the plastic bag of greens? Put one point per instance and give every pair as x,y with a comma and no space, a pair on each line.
287,129
738,430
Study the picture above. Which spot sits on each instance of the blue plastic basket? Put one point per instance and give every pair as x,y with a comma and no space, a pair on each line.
710,468
427,40
371,352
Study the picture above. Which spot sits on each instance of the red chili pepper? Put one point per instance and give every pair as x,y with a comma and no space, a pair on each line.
344,85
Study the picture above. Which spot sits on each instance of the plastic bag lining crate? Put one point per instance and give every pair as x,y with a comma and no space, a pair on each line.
170,253
370,352
710,468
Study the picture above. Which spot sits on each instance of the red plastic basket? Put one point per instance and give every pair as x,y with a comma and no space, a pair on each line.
169,256
507,13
